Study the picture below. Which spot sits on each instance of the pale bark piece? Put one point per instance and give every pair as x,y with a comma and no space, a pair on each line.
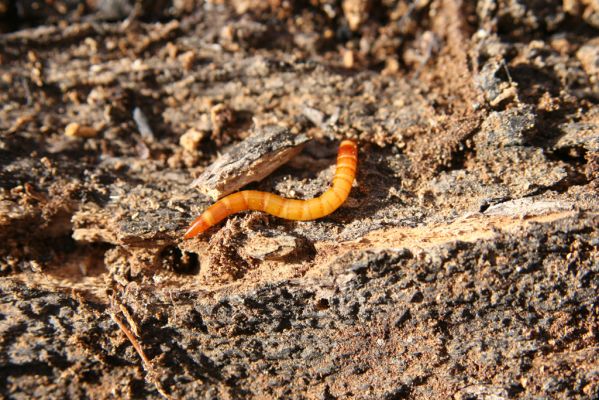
576,134
250,161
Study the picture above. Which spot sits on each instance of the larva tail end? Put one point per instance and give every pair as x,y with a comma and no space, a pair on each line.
198,227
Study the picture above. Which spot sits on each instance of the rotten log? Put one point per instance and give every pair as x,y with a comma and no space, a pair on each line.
463,264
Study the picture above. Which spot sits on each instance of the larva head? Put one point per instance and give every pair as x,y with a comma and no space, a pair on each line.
198,227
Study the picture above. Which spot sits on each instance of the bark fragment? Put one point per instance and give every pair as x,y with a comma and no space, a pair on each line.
249,161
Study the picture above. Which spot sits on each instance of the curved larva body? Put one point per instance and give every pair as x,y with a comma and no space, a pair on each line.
299,210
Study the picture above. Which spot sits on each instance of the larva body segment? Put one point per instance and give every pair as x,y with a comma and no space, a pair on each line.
299,210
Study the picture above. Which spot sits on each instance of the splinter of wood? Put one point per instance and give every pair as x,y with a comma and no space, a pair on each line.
250,160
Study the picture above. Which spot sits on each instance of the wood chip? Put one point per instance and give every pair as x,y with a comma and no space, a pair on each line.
191,139
250,161
76,130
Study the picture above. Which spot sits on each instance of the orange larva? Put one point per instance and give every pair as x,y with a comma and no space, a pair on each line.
299,210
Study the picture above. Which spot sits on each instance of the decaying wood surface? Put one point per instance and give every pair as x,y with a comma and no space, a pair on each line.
463,265
249,161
